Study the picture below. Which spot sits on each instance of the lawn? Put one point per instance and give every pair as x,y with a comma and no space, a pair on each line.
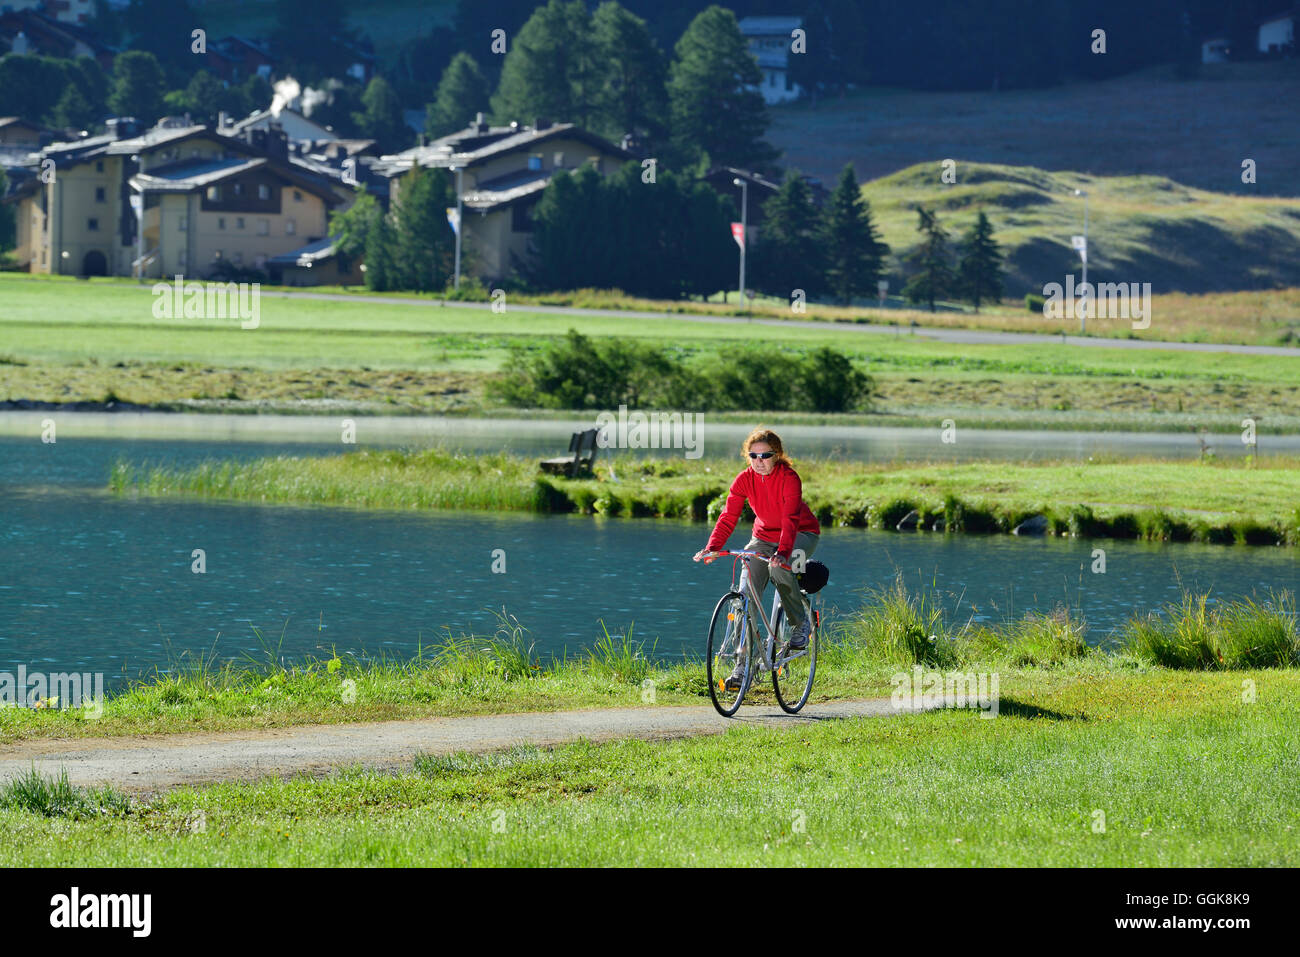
1111,765
63,340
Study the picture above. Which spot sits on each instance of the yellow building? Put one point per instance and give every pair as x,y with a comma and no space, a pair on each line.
202,198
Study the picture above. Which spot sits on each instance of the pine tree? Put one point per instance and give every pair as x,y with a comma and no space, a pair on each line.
90,77
6,217
981,263
312,38
138,86
855,255
381,117
789,254
714,103
936,276
548,70
462,92
205,96
630,74
382,272
73,111
424,244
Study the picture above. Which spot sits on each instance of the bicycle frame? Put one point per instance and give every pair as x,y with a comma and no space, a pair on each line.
768,660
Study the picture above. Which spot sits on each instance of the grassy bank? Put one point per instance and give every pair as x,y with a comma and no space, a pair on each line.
501,673
1208,501
1104,766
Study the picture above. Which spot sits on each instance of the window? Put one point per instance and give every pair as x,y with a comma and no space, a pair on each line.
239,222
92,224
221,222
182,224
99,166
214,194
534,162
239,189
290,227
263,191
559,160
263,227
521,218
99,194
297,196
237,259
595,162
184,257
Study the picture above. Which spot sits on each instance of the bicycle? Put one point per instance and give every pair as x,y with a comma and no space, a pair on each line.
792,671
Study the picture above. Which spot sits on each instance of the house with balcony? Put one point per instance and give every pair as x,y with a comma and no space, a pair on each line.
177,198
503,171
769,39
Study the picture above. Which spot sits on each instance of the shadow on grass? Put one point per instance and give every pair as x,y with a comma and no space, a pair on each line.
1012,708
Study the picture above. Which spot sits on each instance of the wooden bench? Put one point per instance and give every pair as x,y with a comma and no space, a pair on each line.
579,461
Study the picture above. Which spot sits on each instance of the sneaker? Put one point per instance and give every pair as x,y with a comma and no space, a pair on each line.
736,677
799,640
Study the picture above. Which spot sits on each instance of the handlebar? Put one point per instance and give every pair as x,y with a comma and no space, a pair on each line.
711,556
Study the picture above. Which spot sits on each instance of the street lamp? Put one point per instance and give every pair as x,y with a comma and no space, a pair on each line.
1087,301
459,172
744,220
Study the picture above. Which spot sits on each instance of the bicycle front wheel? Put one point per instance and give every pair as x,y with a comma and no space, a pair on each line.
727,658
793,671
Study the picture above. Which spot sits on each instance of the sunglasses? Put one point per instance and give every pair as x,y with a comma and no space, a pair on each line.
761,455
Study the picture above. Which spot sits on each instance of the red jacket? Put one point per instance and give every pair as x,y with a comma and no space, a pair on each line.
779,509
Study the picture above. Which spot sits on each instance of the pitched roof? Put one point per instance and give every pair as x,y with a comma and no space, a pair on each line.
313,252
252,119
189,176
504,190
448,151
768,26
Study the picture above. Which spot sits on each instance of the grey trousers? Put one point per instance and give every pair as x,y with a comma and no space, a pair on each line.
787,586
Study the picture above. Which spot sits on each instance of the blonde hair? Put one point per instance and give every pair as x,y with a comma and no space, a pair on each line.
761,434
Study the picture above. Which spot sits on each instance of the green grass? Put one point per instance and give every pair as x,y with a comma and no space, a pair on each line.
65,340
1111,765
1141,229
1210,501
500,673
38,794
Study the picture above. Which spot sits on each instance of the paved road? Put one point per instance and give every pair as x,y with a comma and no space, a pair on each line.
150,763
960,336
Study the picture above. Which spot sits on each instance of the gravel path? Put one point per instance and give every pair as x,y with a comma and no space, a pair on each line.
150,763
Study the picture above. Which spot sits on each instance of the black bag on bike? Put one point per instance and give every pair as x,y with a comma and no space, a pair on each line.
814,576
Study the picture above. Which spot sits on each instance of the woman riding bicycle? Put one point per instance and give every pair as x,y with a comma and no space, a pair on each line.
782,523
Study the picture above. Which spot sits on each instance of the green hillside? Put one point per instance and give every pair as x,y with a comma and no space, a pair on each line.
1141,228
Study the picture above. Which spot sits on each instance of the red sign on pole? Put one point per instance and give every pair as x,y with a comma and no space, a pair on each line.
738,234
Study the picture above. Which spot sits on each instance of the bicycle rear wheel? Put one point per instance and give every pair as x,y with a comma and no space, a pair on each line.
793,671
727,648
